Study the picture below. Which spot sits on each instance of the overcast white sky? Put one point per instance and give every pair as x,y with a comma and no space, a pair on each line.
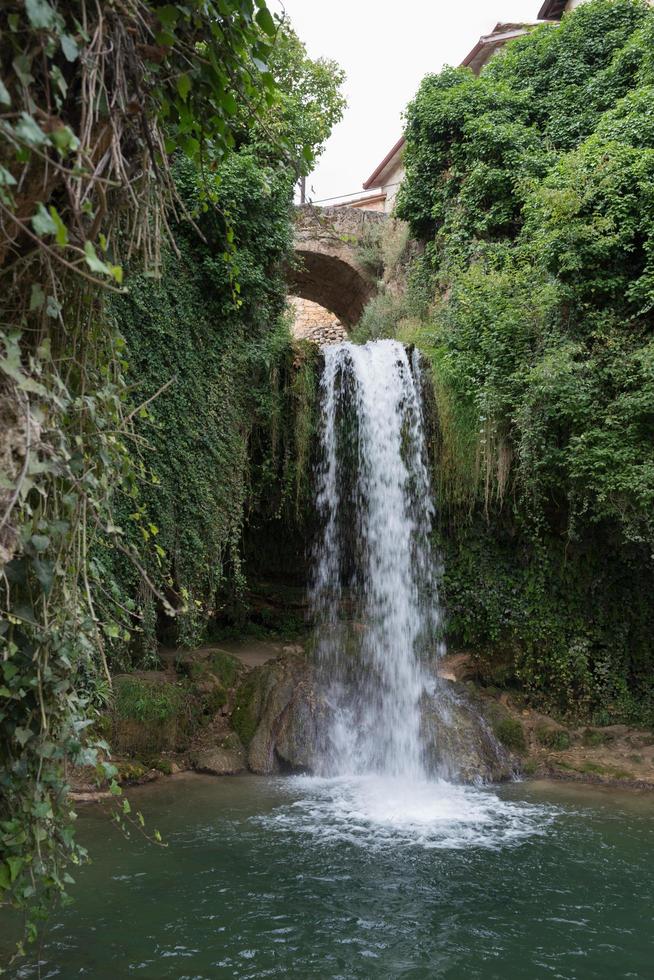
386,47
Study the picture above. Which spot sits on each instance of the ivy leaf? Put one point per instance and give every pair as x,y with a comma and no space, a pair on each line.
5,880
22,67
44,571
229,104
15,864
59,80
23,735
37,297
61,231
117,272
52,308
168,15
265,21
184,86
6,179
42,222
94,263
28,131
41,14
64,139
69,47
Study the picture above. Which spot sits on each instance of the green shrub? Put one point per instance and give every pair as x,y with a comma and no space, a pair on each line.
369,250
139,700
593,739
511,734
553,738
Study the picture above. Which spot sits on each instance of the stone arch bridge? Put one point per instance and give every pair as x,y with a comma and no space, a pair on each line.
327,269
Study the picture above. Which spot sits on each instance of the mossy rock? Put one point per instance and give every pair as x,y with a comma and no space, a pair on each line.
553,738
511,734
232,742
139,699
458,738
225,668
164,766
248,706
130,772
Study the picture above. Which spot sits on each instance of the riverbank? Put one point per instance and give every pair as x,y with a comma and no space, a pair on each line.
221,680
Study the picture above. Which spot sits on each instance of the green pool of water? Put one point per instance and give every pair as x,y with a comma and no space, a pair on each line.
346,879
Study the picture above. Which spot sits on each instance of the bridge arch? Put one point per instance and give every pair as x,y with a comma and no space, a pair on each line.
327,269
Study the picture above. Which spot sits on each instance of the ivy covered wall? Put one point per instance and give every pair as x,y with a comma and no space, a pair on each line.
213,355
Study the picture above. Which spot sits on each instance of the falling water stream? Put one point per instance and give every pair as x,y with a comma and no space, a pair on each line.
374,593
378,620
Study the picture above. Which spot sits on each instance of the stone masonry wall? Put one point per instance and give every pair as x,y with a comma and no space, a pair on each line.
315,323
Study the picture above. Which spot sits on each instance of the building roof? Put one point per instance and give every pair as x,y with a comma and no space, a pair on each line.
362,202
488,44
475,60
552,10
389,158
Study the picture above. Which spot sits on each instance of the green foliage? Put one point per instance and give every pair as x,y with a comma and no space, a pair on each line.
553,738
233,431
307,105
594,739
511,734
225,668
151,716
369,250
379,318
138,700
533,188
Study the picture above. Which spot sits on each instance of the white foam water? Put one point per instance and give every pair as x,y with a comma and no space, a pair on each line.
374,593
378,811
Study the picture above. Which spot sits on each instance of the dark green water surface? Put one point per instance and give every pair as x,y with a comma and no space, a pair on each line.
348,879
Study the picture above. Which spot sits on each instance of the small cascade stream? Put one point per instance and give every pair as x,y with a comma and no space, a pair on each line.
374,593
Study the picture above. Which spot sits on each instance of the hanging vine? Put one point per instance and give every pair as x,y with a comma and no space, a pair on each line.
95,99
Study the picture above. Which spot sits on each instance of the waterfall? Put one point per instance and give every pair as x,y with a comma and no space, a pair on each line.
373,593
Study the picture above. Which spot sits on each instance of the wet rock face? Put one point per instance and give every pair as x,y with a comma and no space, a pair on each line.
459,742
282,720
280,717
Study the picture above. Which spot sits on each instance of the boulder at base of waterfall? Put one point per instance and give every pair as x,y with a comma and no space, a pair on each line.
279,717
459,741
225,759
